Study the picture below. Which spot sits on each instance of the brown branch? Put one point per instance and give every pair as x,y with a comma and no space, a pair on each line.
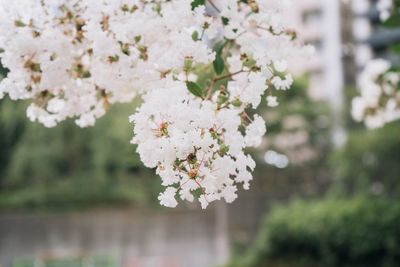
214,6
216,79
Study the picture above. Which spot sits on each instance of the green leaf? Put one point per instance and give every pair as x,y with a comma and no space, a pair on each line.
223,149
196,3
137,38
225,21
195,89
222,98
19,23
195,36
236,103
219,64
218,47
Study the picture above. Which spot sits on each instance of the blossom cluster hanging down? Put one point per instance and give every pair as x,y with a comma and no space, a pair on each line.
379,102
196,136
201,67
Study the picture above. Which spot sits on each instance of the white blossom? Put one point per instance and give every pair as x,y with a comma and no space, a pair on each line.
384,8
73,59
282,84
272,101
379,102
255,131
167,198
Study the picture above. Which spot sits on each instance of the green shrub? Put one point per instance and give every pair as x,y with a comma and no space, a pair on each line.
369,162
359,232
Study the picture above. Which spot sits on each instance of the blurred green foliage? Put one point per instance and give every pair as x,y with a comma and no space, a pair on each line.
69,167
339,233
357,225
369,162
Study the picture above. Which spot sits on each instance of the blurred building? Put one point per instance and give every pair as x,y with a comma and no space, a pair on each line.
306,17
346,35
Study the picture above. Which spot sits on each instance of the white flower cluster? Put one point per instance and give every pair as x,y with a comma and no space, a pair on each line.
74,58
379,102
385,8
195,134
200,66
194,146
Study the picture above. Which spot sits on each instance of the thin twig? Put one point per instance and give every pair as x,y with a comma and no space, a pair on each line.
214,6
247,116
216,79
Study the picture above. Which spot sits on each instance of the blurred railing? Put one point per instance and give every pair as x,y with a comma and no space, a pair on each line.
89,261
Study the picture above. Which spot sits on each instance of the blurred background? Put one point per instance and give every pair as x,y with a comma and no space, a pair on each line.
326,190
